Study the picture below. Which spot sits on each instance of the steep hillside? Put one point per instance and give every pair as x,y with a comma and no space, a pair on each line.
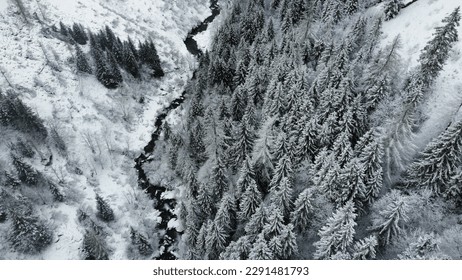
94,134
313,131
415,25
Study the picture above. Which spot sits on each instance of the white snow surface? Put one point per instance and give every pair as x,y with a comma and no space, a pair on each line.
415,25
104,130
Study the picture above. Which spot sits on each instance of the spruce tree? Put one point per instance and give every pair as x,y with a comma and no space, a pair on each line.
250,200
130,61
94,246
283,170
216,240
227,213
260,250
371,159
337,234
262,158
392,214
281,196
275,222
256,223
243,144
438,161
26,173
104,211
78,34
392,8
28,234
303,211
81,61
436,52
237,250
365,249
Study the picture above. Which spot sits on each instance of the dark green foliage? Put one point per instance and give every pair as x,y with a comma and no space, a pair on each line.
392,8
130,61
26,173
94,246
78,34
104,211
28,234
148,55
14,113
81,61
290,120
141,243
438,161
63,29
107,71
23,148
337,235
436,52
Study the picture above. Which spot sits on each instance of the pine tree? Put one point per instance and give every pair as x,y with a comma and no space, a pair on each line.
392,214
425,247
275,222
130,61
237,250
337,234
219,177
371,159
243,144
351,184
281,196
78,34
285,244
438,161
141,242
26,173
105,212
197,147
262,158
250,200
227,213
115,78
28,234
283,170
303,211
454,190
81,61
364,249
392,8
436,52
246,177
256,223
63,29
216,240
94,246
260,250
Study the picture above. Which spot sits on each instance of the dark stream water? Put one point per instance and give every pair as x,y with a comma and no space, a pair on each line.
166,207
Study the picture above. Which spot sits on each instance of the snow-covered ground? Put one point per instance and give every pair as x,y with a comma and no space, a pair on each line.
415,24
104,130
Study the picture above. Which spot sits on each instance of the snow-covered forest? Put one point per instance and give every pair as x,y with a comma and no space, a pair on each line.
245,129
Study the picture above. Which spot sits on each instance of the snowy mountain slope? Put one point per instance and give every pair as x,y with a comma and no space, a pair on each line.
104,130
415,25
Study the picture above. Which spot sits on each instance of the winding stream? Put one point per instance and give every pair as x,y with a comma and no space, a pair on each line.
166,206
